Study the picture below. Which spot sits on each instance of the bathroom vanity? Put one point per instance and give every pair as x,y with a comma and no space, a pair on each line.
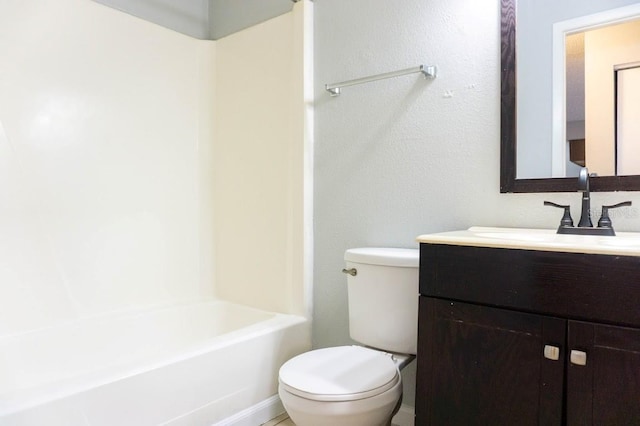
528,327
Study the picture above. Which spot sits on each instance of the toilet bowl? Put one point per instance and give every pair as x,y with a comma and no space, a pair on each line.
345,386
358,385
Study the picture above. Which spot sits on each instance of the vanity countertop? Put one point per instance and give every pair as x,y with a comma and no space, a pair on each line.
623,244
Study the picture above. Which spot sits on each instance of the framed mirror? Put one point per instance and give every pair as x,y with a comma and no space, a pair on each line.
543,136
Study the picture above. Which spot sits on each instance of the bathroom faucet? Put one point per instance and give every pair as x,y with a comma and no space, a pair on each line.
583,186
585,227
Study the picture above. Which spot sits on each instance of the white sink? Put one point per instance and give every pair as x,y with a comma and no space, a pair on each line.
624,243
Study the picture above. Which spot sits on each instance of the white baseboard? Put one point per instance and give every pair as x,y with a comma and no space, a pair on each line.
258,414
405,416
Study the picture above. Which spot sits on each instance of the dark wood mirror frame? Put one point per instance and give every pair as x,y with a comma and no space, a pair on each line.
508,180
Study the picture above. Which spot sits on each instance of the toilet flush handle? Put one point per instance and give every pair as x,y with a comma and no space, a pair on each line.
353,272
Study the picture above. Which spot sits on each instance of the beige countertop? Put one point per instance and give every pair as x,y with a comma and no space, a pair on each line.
623,244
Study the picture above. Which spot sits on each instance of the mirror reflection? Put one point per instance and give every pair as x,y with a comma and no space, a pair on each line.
578,76
602,107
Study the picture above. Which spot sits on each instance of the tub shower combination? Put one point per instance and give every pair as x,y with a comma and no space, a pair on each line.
129,184
184,364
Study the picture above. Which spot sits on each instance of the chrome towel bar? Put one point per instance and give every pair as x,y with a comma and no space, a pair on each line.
427,71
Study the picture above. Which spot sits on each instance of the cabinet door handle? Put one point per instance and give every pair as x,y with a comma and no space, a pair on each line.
551,352
578,357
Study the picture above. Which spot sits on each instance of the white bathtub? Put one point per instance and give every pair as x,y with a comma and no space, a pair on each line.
194,364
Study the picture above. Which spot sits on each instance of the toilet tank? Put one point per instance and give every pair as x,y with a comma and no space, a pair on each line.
383,298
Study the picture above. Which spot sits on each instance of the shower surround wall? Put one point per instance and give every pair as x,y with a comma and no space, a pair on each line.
104,193
121,165
262,170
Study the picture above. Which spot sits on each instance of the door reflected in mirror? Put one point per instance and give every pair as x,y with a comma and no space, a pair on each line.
602,107
628,120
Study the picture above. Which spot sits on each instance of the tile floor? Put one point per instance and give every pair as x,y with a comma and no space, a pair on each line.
281,420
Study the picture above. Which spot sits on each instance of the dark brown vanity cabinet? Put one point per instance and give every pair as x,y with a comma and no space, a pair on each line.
519,337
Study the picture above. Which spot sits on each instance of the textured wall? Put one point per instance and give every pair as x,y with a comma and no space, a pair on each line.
403,157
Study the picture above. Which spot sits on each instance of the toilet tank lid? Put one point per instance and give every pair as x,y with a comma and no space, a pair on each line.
384,256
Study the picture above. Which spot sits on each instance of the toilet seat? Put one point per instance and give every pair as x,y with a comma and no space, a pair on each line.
343,373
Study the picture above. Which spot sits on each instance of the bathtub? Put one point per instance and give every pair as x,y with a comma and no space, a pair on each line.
190,364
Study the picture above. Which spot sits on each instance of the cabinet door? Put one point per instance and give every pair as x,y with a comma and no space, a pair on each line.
486,366
603,377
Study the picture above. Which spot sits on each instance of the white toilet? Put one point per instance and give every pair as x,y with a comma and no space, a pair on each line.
356,385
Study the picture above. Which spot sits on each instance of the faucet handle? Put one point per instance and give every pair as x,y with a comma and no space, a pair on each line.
605,220
566,217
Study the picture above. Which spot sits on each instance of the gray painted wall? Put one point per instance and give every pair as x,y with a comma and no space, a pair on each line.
189,17
229,16
403,157
203,19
